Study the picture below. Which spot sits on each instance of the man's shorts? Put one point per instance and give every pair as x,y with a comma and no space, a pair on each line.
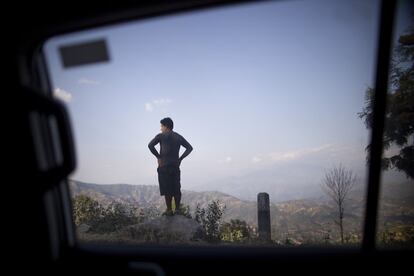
169,180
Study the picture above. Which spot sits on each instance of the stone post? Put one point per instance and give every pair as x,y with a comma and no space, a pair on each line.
263,216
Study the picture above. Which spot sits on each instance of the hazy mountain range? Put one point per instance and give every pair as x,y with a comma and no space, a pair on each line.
286,182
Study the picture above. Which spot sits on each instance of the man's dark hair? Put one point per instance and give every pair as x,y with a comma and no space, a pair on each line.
167,122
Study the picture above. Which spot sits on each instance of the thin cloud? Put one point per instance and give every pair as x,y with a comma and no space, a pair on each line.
86,81
149,107
162,101
228,159
256,159
296,154
160,104
62,95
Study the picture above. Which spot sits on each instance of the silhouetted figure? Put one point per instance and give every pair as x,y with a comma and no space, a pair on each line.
169,163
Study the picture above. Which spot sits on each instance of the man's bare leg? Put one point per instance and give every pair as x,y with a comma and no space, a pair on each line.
177,199
168,202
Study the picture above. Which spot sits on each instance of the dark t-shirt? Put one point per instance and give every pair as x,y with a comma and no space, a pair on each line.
169,147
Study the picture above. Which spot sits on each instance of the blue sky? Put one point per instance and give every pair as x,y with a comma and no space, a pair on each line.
251,87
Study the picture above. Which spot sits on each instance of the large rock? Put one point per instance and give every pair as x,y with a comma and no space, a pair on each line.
166,229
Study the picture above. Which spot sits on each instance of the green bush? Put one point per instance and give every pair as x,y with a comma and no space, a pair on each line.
116,216
86,210
235,231
185,211
104,219
209,219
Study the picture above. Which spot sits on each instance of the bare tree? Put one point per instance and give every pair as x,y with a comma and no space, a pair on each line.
337,184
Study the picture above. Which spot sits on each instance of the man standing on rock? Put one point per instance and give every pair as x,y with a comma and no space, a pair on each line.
169,163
